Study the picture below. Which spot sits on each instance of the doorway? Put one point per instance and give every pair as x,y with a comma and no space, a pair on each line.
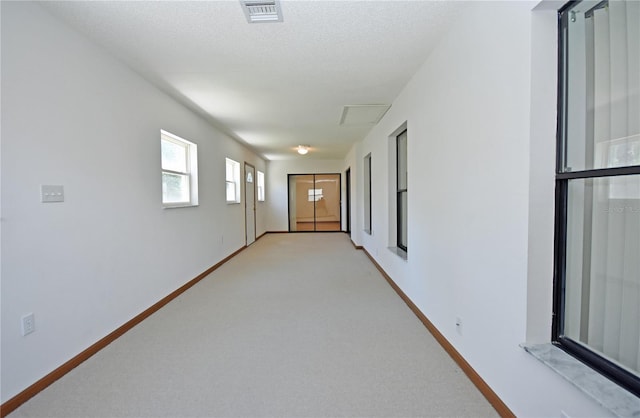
250,203
347,183
314,202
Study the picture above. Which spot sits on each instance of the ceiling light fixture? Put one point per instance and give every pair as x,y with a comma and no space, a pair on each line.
303,149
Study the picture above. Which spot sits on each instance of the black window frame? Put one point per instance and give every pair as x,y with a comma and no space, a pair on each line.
617,374
368,215
400,191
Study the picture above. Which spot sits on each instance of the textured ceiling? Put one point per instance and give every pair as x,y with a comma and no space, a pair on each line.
271,85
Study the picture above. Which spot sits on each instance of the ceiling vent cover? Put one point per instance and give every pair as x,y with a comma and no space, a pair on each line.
260,11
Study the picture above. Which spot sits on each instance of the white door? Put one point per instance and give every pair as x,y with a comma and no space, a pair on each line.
250,202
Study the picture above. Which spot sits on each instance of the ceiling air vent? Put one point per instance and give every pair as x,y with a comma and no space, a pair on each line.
259,11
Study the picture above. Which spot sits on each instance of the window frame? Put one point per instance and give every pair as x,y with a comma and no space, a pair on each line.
401,191
367,195
614,372
191,165
235,180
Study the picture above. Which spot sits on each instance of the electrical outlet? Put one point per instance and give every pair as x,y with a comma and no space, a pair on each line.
28,324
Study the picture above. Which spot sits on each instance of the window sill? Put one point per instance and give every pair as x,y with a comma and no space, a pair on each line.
611,396
233,203
186,205
399,252
368,231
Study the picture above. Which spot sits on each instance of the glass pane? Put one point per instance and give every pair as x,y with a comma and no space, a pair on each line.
402,161
175,188
602,294
174,156
602,114
402,220
260,176
230,171
327,202
231,191
301,210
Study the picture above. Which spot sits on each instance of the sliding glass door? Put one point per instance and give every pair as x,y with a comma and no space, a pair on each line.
314,202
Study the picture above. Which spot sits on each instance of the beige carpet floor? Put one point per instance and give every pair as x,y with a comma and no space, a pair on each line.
297,325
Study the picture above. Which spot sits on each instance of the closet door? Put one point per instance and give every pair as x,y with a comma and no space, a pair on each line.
327,202
314,202
301,206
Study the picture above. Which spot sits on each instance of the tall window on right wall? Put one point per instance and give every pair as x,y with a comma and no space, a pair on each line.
367,193
401,189
597,244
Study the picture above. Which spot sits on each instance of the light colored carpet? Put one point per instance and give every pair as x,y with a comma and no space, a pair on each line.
297,325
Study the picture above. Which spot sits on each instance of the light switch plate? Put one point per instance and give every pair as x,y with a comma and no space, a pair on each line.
50,193
28,324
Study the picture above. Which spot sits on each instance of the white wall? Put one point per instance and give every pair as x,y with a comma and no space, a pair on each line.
276,185
74,116
469,112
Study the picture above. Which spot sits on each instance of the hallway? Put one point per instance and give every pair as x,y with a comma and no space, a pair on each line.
295,325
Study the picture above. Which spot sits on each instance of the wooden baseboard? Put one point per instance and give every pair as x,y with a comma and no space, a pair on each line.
359,247
13,403
500,407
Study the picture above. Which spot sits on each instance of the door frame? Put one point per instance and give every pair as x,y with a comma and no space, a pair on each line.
347,186
246,202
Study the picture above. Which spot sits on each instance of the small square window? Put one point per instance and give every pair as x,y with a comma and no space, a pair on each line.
179,171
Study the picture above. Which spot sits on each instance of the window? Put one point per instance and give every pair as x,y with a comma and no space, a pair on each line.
401,190
367,194
260,186
314,195
179,171
597,244
233,181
